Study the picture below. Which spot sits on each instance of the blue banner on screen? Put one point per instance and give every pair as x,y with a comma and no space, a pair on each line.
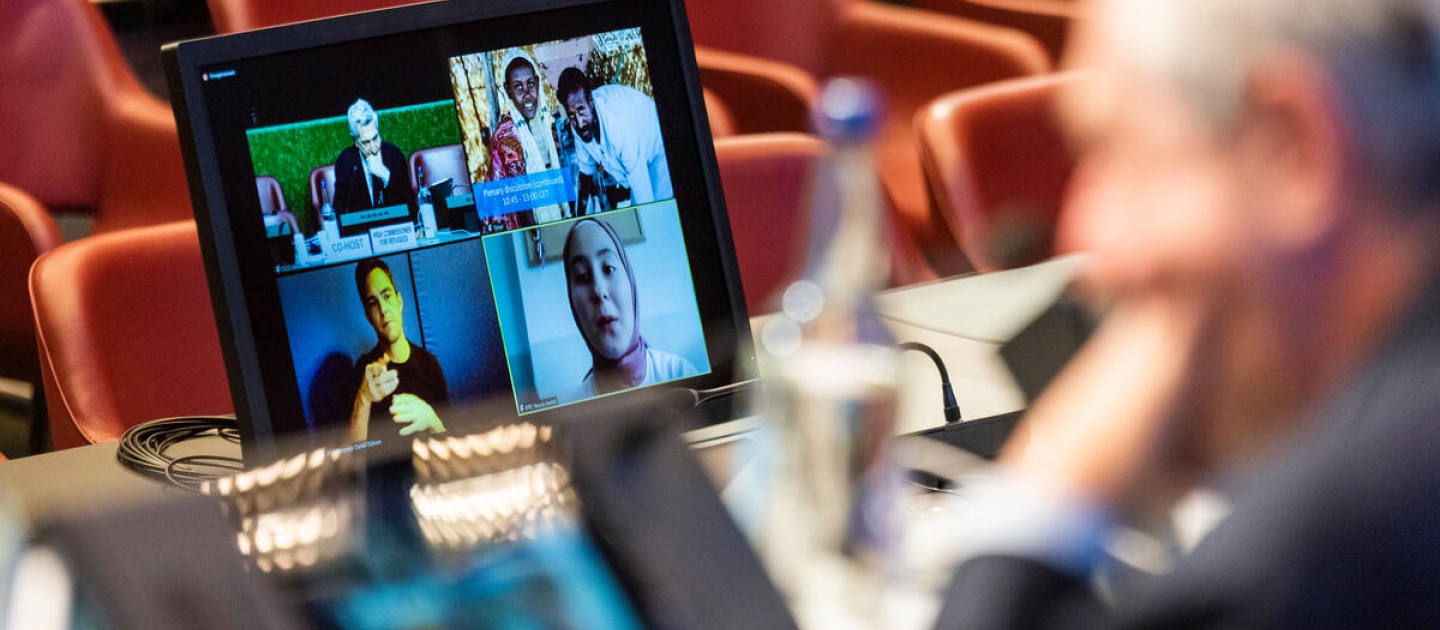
516,194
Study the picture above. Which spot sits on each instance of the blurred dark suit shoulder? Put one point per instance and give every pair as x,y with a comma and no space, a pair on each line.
1342,530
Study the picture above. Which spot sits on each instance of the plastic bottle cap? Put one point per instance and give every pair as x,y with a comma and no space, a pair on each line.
848,108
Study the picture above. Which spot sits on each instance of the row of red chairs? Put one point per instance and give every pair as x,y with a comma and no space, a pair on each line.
121,157
117,312
761,60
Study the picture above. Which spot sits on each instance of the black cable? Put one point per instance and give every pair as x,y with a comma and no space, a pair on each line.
185,471
947,393
143,449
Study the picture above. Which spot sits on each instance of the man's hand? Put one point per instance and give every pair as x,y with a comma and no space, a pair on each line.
1117,427
416,414
380,381
376,165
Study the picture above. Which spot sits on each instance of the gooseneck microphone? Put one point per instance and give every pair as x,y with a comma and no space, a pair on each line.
685,398
947,393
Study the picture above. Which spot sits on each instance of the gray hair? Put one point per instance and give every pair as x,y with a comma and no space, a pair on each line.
1382,55
361,114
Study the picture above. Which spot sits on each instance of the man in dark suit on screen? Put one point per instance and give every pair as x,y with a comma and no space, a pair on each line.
1257,185
373,173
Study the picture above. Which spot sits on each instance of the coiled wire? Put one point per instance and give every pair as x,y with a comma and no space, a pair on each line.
143,449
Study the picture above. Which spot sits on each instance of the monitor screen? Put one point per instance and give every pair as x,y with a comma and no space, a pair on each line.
455,202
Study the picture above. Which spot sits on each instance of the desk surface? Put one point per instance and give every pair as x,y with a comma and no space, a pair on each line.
76,480
965,319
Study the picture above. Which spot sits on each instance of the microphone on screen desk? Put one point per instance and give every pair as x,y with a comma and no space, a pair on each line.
685,398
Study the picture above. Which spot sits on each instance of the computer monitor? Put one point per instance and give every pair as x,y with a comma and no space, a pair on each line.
581,248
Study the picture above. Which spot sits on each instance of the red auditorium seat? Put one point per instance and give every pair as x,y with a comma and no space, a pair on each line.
79,131
767,182
912,55
1049,21
759,95
998,167
126,333
272,197
231,16
26,231
439,163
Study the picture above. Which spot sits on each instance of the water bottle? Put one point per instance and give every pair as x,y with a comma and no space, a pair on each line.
302,253
329,226
427,205
828,531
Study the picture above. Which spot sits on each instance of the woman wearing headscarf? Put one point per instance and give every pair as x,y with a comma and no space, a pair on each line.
533,126
605,304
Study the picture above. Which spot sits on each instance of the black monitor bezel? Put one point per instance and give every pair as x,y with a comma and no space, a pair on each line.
234,273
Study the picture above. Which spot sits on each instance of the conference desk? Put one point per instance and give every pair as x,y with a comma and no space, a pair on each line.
965,319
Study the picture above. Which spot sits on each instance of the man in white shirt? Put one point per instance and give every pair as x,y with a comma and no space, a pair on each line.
618,132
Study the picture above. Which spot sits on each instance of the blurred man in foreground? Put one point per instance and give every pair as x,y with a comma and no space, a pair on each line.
1259,183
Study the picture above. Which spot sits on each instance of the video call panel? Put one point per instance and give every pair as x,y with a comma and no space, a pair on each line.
510,151
374,218
355,185
581,297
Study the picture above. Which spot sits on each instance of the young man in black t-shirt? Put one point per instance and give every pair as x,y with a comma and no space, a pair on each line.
397,378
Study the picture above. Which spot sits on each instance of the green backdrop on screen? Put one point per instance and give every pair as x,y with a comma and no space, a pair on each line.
289,152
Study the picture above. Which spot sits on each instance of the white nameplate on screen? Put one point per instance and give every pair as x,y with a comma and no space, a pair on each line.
393,238
348,248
